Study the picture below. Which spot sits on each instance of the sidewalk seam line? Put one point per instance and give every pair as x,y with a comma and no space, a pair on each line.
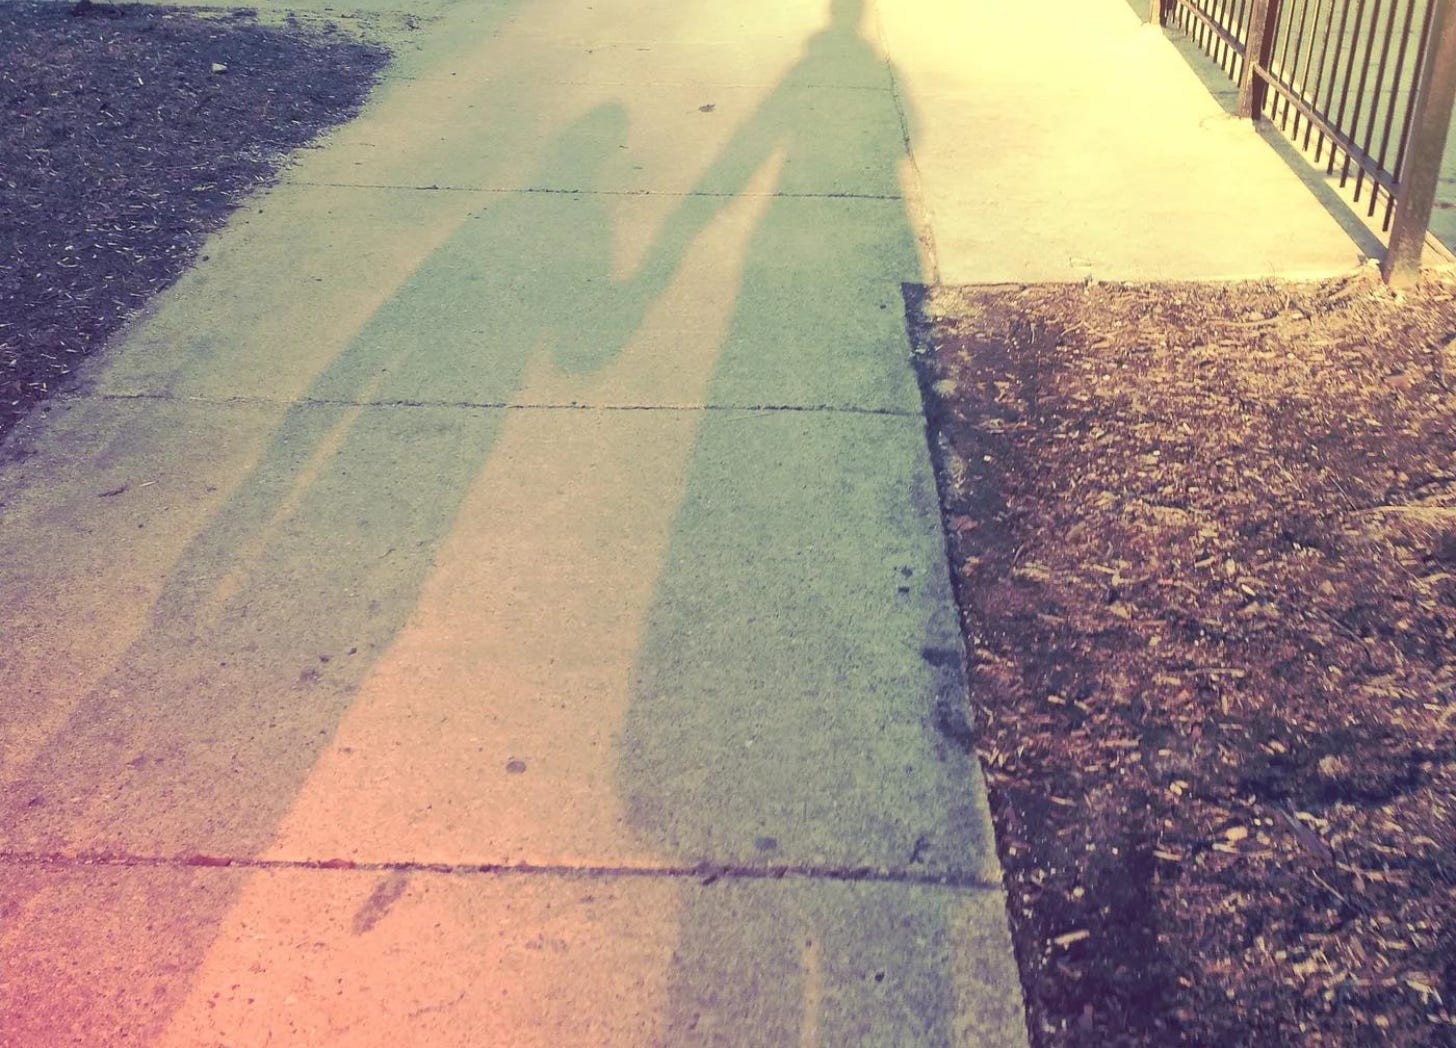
707,873
437,78
326,402
548,191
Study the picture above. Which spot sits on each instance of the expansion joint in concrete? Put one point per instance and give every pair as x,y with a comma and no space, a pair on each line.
747,410
704,873
559,191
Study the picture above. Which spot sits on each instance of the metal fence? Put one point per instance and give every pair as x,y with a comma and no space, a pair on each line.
1363,86
1220,29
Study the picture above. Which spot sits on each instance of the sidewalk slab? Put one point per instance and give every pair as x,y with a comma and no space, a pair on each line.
664,142
603,638
634,52
356,958
435,305
1066,139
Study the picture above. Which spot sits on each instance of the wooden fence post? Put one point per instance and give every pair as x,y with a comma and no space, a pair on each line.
1258,50
1421,174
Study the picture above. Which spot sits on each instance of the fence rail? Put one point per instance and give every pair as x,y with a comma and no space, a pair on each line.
1364,87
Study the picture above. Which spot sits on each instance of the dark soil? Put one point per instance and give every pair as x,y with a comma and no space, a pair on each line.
130,133
1205,547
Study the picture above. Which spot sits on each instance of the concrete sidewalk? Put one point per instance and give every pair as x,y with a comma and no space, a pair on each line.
1063,140
498,598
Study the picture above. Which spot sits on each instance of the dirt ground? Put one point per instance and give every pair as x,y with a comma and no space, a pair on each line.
1205,548
130,133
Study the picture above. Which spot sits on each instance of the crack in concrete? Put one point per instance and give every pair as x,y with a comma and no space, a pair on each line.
706,873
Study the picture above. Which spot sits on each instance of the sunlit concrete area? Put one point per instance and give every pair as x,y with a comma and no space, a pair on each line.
1067,141
498,596
1307,154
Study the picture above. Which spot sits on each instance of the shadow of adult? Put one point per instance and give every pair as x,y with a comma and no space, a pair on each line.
828,144
197,742
801,648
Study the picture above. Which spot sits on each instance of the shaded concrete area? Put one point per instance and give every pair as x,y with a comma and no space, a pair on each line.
499,593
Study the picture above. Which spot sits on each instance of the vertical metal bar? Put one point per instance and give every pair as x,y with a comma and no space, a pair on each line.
1422,49
1313,74
1231,23
1331,64
1221,16
1236,31
1375,100
1253,88
1345,84
1434,103
1279,74
1291,75
1410,16
1354,128
1241,34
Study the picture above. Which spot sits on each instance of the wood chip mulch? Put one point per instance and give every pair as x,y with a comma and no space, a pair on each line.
1205,547
130,133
